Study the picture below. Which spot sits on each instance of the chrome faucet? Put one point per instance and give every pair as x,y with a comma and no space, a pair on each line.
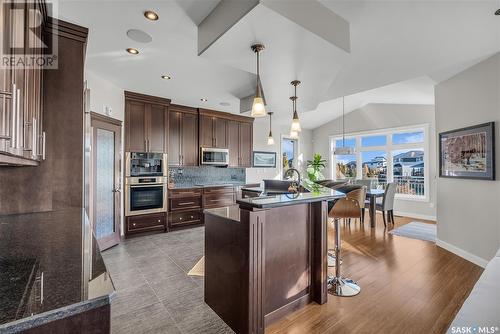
288,175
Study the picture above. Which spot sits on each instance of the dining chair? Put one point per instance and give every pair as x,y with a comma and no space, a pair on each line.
386,204
343,208
368,183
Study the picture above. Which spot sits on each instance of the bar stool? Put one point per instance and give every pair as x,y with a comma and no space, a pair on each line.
338,285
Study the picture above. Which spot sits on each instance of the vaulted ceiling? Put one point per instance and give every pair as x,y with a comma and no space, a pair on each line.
402,46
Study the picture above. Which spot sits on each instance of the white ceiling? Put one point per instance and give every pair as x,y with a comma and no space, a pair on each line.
391,41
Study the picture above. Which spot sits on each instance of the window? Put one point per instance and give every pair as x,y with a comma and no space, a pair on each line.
392,155
288,147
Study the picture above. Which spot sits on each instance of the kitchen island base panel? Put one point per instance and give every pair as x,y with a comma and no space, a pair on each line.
266,264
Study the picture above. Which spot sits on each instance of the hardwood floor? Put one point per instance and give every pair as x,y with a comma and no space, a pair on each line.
407,286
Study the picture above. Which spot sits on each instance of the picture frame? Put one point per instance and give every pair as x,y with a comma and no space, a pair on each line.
262,159
468,153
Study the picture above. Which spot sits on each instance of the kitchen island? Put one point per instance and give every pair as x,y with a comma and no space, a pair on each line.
267,256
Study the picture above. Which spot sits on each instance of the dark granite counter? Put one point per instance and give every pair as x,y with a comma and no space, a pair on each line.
50,268
311,194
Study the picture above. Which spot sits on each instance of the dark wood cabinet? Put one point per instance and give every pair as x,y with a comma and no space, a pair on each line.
145,223
183,136
22,140
157,125
240,143
246,144
135,126
146,123
185,207
213,129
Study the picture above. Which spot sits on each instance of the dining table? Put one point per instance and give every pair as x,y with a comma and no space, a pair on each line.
372,195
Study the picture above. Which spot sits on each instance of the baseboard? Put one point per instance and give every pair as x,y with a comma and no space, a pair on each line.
414,215
463,254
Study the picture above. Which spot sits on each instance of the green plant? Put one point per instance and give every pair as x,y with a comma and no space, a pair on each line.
314,168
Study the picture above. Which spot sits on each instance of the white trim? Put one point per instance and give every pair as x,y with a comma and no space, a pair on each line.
414,215
463,254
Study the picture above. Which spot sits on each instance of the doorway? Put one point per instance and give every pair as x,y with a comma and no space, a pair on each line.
289,154
105,187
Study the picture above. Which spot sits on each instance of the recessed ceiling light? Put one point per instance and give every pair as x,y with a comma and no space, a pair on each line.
203,100
132,51
166,77
497,12
150,15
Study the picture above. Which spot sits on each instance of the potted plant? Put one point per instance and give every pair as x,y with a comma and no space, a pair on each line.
314,168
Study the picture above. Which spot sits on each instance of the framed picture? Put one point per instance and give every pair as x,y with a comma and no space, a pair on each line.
468,153
264,159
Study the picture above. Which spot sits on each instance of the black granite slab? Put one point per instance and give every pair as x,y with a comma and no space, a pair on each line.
51,269
314,193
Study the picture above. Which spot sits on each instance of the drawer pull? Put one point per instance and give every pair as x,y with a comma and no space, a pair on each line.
192,217
180,218
133,224
187,203
159,220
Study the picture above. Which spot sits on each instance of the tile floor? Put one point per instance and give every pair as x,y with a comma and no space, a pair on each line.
154,292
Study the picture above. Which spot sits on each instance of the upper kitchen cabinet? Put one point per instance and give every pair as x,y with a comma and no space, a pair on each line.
22,139
183,136
240,138
213,129
146,123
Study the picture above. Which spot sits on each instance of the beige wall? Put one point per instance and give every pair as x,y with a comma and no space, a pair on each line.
468,211
374,117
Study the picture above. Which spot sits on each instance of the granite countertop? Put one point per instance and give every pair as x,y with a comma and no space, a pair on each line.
231,212
315,193
50,268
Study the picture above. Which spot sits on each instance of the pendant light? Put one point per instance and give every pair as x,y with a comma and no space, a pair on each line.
270,139
258,107
295,119
343,150
294,134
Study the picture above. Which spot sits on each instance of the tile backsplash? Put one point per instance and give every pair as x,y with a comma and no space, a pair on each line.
205,175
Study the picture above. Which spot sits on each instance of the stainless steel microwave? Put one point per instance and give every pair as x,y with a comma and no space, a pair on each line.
214,156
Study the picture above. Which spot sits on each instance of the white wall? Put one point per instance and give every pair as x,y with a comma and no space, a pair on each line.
384,116
260,133
469,210
104,93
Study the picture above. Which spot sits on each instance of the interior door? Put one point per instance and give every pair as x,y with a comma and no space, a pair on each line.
106,181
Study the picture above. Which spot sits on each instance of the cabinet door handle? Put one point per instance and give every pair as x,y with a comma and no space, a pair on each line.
18,119
13,118
34,137
187,203
43,145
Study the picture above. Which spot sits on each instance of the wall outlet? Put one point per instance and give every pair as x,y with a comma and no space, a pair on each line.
107,110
